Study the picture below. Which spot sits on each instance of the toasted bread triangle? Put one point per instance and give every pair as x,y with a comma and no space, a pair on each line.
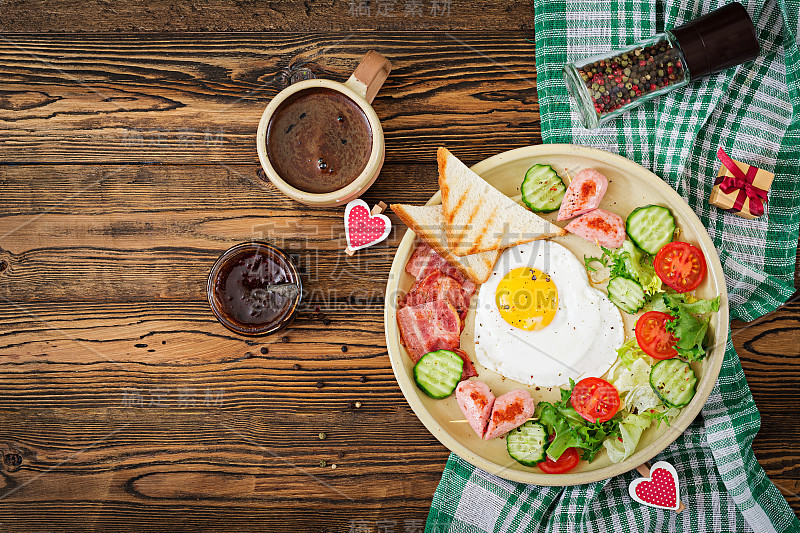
428,223
479,218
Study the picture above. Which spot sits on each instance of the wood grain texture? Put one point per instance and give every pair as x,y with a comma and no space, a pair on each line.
769,349
141,98
151,233
128,165
272,15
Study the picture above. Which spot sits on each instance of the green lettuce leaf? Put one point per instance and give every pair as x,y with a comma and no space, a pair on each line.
630,352
634,387
631,428
688,328
691,304
572,430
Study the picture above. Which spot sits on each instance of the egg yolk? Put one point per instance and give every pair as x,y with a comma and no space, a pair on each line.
527,298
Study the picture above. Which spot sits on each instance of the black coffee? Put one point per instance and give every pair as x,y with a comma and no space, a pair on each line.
319,140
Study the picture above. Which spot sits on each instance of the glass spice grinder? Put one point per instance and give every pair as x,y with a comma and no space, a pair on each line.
606,85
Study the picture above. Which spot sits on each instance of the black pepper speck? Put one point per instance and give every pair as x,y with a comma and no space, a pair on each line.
344,349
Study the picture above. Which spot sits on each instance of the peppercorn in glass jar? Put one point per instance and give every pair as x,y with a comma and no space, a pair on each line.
606,85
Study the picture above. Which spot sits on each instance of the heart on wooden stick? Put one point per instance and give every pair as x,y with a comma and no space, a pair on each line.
660,490
364,228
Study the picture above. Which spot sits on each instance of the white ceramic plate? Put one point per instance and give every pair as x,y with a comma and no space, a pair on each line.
630,186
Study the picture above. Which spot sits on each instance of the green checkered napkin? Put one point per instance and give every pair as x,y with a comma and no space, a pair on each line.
753,111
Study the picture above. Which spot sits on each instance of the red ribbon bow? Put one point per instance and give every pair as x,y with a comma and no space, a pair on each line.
738,180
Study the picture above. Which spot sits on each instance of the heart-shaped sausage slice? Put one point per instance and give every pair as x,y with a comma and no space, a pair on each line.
476,401
510,410
600,226
583,194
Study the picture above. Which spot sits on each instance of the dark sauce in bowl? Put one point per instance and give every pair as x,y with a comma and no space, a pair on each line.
319,140
254,289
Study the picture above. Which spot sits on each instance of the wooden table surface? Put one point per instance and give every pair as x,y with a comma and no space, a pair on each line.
128,165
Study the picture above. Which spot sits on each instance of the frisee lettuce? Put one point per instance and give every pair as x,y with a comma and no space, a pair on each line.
628,262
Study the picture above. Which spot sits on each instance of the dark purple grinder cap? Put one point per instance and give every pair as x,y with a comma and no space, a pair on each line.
717,40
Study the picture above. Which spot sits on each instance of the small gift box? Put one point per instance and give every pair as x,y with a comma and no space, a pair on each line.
740,188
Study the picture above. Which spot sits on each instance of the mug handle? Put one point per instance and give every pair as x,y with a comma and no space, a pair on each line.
367,79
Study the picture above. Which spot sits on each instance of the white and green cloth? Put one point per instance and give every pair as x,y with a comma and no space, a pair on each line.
753,111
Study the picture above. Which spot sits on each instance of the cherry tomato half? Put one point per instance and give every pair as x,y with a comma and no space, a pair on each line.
595,399
680,265
653,337
565,463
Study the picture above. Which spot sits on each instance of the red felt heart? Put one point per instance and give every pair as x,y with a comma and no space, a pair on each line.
364,229
661,490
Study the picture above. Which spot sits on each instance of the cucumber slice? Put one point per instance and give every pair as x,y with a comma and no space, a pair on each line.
526,443
651,227
542,189
626,294
673,382
438,373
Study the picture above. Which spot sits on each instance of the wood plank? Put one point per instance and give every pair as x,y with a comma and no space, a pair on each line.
196,415
197,98
283,15
60,356
149,461
179,343
157,516
769,349
151,233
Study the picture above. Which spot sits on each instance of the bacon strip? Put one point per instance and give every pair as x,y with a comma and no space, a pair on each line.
469,368
437,286
428,327
425,261
425,314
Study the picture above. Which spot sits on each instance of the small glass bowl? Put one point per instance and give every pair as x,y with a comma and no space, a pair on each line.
223,268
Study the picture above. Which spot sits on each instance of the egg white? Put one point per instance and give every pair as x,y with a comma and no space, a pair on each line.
581,340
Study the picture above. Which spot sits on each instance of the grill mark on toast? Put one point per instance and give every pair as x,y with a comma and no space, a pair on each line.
468,223
467,268
488,224
476,245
